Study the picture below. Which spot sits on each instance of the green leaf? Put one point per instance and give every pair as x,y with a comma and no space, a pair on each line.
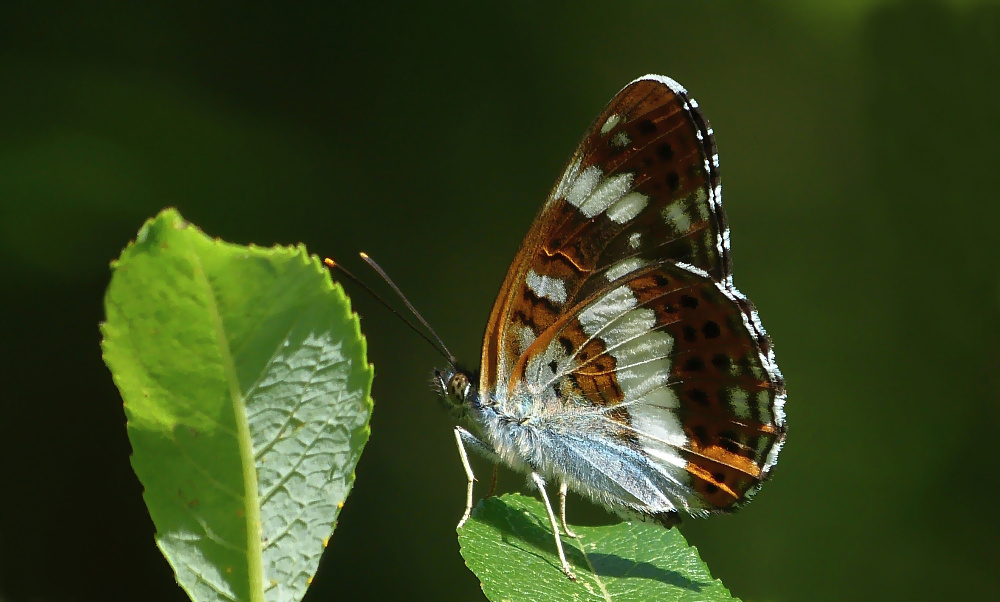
508,544
246,390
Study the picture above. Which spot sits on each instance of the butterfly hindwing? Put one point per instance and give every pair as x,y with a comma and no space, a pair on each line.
666,362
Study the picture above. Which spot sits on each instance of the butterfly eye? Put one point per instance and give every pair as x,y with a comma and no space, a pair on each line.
459,387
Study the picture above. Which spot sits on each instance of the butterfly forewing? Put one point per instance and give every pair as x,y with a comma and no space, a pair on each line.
643,184
619,311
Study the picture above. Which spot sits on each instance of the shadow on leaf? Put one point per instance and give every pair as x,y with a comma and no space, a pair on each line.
519,526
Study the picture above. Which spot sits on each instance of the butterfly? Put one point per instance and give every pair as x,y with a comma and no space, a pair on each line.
619,360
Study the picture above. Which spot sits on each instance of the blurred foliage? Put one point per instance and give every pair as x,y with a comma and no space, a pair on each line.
858,150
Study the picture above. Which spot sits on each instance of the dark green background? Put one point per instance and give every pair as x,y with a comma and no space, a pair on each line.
860,160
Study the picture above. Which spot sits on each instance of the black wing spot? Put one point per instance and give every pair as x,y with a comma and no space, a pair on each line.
711,329
694,364
699,397
730,446
567,344
719,477
647,127
689,301
660,280
700,433
690,334
720,361
727,440
665,152
553,365
673,181
711,488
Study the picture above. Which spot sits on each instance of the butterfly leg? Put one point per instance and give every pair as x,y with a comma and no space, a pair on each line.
463,438
493,482
555,526
562,510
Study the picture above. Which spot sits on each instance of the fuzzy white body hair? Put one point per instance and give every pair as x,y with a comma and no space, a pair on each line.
538,433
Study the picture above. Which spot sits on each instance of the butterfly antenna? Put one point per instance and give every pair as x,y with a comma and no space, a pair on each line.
438,346
409,306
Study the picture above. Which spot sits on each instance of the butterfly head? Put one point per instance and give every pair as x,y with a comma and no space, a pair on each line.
457,389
